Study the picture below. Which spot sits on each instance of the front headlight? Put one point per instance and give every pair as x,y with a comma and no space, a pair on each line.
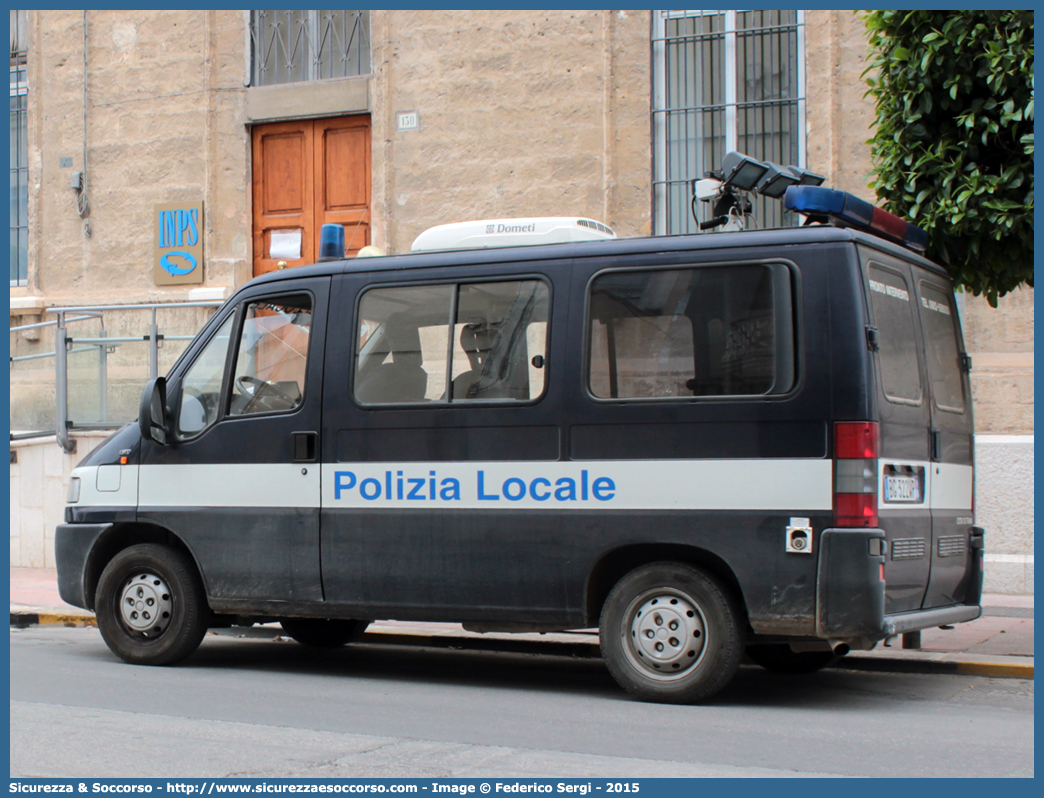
73,495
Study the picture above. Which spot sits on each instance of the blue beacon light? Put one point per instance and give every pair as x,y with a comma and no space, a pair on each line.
850,210
331,242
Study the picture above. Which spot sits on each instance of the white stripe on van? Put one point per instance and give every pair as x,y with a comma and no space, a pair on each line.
947,486
583,485
573,485
951,486
230,485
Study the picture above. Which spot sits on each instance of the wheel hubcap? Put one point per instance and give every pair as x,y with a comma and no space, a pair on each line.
666,634
145,604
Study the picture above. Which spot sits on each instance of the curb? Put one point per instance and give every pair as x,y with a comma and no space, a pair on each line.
941,664
1003,670
23,620
1006,670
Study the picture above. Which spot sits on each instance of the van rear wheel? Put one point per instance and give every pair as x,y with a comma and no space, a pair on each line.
150,605
781,658
671,633
323,632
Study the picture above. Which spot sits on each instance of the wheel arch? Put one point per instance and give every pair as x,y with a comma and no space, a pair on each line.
121,536
615,564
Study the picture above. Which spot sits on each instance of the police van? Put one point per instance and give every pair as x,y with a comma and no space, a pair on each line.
707,446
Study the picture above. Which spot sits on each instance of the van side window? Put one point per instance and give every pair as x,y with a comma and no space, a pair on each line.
452,343
403,344
273,353
200,397
944,368
709,331
896,335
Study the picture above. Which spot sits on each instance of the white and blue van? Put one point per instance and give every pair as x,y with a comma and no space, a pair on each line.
708,445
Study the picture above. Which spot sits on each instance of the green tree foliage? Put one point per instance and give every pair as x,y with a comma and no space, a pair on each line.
953,145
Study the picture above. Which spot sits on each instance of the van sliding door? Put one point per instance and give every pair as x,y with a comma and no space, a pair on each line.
442,435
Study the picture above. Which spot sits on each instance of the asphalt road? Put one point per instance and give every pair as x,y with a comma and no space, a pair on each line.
263,708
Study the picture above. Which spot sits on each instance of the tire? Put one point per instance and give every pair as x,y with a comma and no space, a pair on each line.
323,632
671,633
150,605
780,658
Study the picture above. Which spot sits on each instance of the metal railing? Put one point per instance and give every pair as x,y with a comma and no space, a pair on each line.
102,344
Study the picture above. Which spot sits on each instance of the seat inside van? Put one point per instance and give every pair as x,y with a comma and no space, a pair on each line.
400,377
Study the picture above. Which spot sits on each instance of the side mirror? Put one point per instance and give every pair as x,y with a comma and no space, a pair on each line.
152,414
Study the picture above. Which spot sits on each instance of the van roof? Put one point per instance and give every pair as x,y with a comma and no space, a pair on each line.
784,236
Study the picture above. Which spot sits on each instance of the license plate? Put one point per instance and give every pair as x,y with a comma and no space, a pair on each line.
902,489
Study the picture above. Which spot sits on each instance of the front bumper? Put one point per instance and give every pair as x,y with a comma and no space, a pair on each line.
73,544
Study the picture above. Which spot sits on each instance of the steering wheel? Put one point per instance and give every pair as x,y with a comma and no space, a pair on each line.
256,389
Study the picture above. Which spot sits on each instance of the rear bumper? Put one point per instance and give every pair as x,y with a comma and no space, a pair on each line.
850,591
926,619
72,548
941,616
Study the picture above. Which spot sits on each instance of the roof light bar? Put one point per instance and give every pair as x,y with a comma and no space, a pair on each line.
849,209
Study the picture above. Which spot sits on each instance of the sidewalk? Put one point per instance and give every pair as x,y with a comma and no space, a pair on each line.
1000,643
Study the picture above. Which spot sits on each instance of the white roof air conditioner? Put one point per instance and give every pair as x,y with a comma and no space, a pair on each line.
510,233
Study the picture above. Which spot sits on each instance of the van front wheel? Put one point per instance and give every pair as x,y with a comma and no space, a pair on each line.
670,633
150,605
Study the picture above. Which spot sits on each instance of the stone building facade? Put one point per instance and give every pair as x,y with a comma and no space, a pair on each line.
518,113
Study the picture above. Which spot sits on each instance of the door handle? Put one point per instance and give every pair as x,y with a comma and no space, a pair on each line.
305,446
935,445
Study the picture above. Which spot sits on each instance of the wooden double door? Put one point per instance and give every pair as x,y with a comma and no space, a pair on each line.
307,173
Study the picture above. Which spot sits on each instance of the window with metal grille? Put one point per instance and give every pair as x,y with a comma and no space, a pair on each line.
295,45
19,153
724,80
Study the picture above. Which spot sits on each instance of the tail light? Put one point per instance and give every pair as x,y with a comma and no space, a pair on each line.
856,449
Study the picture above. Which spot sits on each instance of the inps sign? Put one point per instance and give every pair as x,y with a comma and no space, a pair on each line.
179,244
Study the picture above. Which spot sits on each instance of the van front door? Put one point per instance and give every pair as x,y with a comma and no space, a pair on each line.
238,481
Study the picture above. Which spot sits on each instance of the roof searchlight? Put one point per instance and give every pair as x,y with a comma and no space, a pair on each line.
729,188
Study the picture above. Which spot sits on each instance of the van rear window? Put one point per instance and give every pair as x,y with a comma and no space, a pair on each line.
944,368
895,320
707,331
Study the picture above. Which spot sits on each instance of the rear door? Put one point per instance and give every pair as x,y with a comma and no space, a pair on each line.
905,417
951,440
